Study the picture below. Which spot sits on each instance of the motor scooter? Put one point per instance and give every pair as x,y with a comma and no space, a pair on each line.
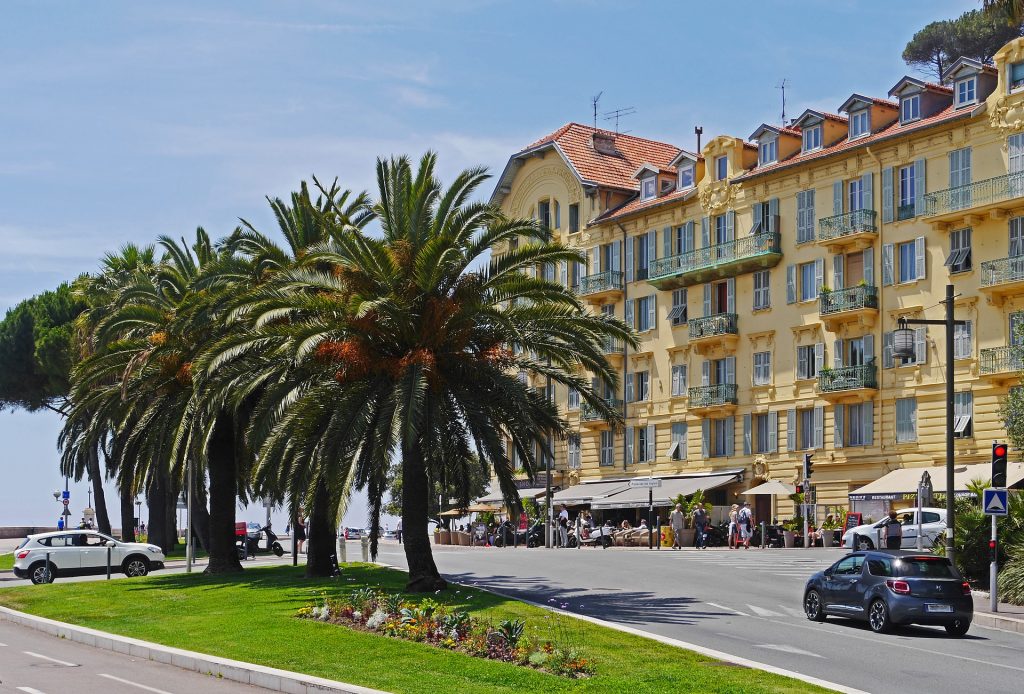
508,535
252,544
601,535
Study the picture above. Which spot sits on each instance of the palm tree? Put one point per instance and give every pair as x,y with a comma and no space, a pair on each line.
1013,10
410,343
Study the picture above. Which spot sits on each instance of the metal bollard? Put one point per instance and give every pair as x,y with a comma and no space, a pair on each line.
108,561
342,546
364,541
47,567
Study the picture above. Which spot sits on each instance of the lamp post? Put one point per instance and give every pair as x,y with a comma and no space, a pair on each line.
903,346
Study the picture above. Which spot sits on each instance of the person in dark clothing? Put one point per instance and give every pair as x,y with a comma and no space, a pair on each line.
893,532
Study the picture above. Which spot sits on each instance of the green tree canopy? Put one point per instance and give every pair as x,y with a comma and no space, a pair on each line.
977,34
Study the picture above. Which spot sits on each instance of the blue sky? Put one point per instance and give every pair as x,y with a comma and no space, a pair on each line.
120,121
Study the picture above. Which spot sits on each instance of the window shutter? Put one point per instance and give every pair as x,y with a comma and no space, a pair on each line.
564,272
683,378
887,347
705,232
629,387
920,345
954,169
867,182
629,313
757,216
819,275
730,369
888,271
730,225
773,432
837,354
919,186
595,264
869,266
666,242
651,441
707,300
837,426
819,357
888,196
773,213
652,311
837,197
965,167
676,387
747,447
730,295
791,430
801,362
868,422
837,271
629,258
705,438
629,445
791,284
920,270
705,373
819,427
688,236
652,247
869,348
730,436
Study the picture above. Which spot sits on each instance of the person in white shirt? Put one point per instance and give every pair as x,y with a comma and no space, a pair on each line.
563,527
677,521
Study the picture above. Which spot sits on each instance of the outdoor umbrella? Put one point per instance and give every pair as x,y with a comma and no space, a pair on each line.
772,488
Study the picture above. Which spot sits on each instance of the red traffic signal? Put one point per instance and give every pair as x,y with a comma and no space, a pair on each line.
999,452
799,489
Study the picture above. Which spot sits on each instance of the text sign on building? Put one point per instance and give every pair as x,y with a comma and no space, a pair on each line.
645,483
994,502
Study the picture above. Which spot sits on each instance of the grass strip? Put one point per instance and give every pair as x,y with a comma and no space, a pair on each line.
251,617
7,561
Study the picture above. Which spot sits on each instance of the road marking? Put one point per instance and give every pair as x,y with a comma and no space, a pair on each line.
793,612
3,645
786,649
762,612
52,660
134,684
727,609
29,690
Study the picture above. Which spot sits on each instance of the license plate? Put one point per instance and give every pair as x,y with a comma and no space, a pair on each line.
938,608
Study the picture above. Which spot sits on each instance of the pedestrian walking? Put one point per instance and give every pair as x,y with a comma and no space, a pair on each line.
745,517
700,522
676,520
398,531
733,529
893,532
300,532
563,527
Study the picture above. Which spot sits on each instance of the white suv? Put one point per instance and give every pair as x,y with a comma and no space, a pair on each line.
933,525
78,552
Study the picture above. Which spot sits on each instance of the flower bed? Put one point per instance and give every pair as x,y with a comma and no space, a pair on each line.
392,614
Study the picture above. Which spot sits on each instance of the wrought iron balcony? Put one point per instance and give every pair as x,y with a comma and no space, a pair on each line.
848,378
850,299
856,222
613,346
986,193
1002,360
711,326
713,396
589,414
719,261
1002,271
906,212
609,280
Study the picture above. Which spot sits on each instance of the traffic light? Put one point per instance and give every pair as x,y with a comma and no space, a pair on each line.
799,489
808,466
999,451
992,550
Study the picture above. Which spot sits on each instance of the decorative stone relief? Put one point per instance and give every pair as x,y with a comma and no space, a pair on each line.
716,196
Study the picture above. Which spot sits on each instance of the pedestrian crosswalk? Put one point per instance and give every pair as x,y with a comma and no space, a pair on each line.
774,563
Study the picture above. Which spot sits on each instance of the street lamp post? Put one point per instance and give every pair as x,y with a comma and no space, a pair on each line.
903,346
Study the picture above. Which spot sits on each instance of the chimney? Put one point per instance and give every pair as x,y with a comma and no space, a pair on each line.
604,143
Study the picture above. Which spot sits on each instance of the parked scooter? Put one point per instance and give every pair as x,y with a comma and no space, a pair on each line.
252,544
601,535
508,535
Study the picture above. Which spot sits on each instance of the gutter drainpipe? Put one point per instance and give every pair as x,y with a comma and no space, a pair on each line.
625,349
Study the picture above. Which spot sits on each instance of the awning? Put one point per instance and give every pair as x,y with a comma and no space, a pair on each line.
771,488
902,484
637,497
588,492
495,497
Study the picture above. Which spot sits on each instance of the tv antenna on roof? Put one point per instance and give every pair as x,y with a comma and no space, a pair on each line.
619,113
782,85
593,102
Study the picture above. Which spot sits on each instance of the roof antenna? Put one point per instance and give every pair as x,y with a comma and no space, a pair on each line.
698,131
782,85
593,102
619,113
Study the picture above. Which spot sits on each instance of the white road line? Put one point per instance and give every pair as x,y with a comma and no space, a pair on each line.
52,660
793,612
727,609
29,690
787,649
762,612
134,684
3,645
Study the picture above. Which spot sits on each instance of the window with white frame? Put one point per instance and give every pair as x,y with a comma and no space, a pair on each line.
857,428
859,123
963,414
648,189
721,168
678,380
607,448
645,444
906,420
959,259
910,108
762,368
906,255
855,190
966,91
805,216
1016,76
1016,239
573,400
574,451
686,176
574,217
807,360
812,138
677,449
907,193
544,213
678,313
643,385
644,309
720,436
769,151
762,295
963,347
805,429
761,433
808,290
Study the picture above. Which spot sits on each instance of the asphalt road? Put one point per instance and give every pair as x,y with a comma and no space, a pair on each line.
744,602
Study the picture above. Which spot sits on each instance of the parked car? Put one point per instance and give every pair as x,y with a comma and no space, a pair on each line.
78,552
933,525
388,534
891,587
353,533
253,530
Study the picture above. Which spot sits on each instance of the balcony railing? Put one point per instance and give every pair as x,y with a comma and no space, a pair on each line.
718,254
709,326
589,414
906,212
599,282
977,194
613,346
1000,271
710,396
850,299
848,378
845,224
999,360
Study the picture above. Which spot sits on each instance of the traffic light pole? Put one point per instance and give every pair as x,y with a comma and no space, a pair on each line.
993,569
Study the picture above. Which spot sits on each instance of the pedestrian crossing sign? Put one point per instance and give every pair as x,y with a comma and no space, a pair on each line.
994,502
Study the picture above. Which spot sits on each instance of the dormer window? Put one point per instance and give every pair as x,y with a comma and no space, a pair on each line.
812,138
1016,76
859,124
685,176
648,188
910,108
721,168
769,150
966,91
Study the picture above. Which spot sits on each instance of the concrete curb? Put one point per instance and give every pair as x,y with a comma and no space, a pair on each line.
234,670
998,621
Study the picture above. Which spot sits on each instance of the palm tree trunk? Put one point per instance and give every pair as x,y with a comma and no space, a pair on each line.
156,499
127,514
423,574
320,532
96,477
200,514
223,497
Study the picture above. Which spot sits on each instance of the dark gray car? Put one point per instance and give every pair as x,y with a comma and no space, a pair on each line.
886,588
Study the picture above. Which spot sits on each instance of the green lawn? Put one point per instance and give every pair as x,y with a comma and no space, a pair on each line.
251,617
6,561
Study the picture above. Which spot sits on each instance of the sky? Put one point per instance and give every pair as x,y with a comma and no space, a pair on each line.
122,121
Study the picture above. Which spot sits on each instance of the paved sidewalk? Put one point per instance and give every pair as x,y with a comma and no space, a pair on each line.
1008,618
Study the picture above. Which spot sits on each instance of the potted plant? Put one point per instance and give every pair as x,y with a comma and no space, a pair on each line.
688,505
832,524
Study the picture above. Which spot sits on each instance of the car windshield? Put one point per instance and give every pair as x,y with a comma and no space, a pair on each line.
923,567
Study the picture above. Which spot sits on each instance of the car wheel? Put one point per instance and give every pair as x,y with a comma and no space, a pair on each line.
40,574
242,554
878,617
958,628
135,566
813,608
863,543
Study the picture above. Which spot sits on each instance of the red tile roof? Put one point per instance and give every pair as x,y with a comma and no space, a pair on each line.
894,130
611,170
637,205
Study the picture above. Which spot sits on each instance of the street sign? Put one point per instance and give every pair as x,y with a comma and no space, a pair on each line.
995,502
645,483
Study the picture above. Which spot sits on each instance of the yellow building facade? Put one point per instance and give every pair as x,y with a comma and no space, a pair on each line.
765,276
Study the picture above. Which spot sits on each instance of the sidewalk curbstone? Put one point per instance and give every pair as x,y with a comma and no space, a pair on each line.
998,621
270,678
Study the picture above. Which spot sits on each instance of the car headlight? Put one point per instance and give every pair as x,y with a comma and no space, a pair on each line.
154,550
